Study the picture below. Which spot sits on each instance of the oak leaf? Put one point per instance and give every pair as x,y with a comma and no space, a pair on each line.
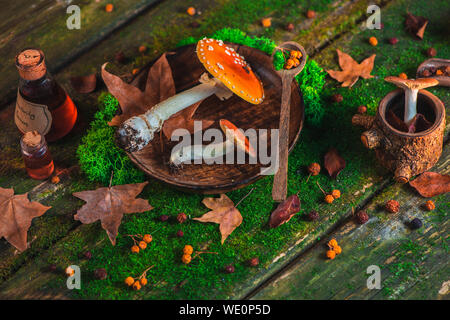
132,101
351,70
183,119
224,213
333,162
16,213
430,184
109,205
285,211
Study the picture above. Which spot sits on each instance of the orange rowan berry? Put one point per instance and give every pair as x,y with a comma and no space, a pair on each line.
439,72
429,205
135,249
331,254
289,63
336,193
403,75
337,249
373,41
135,70
147,238
310,14
332,243
109,7
142,49
129,281
329,198
55,179
142,245
186,258
143,281
266,22
137,286
191,11
188,249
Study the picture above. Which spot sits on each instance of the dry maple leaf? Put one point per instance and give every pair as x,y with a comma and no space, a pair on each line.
351,70
333,162
183,119
285,211
132,101
430,184
109,205
16,213
224,213
416,25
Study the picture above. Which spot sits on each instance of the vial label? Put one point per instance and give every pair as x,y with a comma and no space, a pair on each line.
32,116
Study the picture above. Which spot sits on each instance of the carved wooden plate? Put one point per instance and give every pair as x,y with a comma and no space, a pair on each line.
219,178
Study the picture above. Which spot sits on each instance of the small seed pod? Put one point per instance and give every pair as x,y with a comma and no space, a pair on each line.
362,217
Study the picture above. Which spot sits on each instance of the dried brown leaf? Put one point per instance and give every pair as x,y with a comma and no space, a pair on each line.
84,84
416,25
333,162
285,211
16,213
430,184
222,212
132,101
183,119
351,70
109,205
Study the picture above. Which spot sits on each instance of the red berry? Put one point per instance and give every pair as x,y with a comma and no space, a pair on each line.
337,97
229,268
164,217
362,109
392,206
362,217
180,233
100,274
88,255
393,40
431,52
253,262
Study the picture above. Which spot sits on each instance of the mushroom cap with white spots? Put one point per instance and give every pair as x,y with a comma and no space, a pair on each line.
231,69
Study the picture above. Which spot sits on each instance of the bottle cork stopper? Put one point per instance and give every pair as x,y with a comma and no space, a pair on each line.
31,64
32,139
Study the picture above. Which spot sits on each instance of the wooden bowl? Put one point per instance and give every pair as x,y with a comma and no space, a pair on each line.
215,178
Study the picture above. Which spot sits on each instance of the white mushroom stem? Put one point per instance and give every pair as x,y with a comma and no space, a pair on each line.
190,153
136,132
410,104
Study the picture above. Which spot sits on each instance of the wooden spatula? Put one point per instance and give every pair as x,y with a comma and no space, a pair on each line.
279,189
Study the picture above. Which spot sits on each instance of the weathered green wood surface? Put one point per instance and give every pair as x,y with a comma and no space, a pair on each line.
24,276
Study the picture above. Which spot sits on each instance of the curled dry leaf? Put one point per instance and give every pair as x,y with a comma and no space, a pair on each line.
224,213
132,101
351,70
109,205
183,119
416,25
430,184
84,84
16,213
285,211
333,162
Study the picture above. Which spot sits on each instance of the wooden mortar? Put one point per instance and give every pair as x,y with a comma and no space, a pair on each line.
405,154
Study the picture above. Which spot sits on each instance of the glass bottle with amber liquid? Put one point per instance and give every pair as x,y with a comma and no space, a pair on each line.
37,157
42,104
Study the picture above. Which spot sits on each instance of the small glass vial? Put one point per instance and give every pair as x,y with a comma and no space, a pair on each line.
37,157
42,104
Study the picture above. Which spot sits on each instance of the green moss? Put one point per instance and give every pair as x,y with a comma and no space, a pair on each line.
98,154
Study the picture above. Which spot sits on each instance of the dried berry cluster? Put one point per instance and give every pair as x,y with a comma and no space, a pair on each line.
140,242
139,282
293,60
433,71
334,249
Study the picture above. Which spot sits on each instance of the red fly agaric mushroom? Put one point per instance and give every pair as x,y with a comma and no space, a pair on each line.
231,75
411,88
233,136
